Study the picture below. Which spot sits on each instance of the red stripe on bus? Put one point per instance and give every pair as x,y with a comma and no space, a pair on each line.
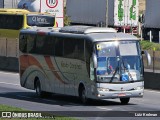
23,63
26,61
34,61
51,66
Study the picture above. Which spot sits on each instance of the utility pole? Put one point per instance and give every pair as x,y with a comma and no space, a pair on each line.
107,13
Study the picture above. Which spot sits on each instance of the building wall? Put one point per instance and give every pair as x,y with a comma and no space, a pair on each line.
141,5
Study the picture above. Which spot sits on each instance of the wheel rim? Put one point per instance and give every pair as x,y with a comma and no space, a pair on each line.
83,96
38,89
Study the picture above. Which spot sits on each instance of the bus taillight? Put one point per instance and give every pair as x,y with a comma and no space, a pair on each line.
41,33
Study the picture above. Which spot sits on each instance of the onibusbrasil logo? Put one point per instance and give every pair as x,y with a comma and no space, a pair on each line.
23,115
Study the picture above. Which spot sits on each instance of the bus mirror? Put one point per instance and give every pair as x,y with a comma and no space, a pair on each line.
148,57
94,57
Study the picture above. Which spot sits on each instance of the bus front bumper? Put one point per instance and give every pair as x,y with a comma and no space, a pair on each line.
119,94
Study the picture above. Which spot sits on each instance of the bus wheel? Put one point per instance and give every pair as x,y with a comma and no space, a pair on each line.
124,101
82,95
38,89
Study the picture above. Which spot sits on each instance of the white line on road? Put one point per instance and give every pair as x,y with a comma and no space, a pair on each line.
153,91
103,108
9,83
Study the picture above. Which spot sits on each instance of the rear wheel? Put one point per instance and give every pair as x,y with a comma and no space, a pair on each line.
124,101
39,92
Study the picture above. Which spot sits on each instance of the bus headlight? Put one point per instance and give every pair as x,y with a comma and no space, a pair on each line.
103,89
139,88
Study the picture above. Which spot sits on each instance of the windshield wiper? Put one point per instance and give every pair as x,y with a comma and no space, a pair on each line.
125,69
117,68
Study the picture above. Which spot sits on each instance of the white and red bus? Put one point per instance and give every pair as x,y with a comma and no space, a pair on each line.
88,62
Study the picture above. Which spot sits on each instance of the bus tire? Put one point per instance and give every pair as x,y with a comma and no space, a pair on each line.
124,101
82,95
39,92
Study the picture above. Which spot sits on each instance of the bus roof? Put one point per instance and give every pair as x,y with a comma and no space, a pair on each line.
35,29
112,36
86,29
4,10
94,33
21,11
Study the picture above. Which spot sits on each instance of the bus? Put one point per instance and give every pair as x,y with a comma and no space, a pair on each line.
12,21
78,60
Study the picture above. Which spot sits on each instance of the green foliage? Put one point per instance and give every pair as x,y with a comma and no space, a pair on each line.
9,108
66,19
147,45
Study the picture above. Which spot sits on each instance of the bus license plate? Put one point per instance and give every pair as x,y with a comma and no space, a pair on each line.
121,94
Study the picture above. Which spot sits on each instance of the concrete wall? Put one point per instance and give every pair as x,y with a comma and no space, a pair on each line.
152,80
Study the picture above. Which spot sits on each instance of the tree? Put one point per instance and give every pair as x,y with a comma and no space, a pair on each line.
67,20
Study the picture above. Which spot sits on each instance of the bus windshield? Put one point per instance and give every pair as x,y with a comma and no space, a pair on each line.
40,20
119,61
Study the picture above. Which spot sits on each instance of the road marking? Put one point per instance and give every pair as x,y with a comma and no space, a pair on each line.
103,108
9,73
9,83
153,91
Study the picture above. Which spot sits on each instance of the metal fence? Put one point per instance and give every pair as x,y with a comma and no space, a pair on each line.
155,65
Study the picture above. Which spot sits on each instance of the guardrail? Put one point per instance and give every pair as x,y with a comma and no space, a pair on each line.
155,66
9,64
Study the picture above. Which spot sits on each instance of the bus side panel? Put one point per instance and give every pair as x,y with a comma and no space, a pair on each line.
10,42
49,81
31,69
12,47
3,50
43,72
72,72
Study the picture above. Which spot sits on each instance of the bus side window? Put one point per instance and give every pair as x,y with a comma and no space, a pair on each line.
74,48
23,43
59,47
79,49
69,46
40,44
31,44
48,48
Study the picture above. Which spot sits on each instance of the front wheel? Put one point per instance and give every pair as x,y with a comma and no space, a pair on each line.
124,101
82,95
